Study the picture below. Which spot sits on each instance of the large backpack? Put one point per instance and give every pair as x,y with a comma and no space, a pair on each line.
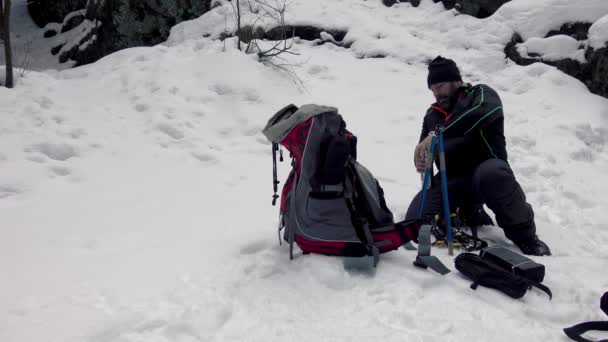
330,203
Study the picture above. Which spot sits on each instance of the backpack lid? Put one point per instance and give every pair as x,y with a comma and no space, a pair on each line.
281,123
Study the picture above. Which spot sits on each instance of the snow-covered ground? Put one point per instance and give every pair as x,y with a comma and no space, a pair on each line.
135,192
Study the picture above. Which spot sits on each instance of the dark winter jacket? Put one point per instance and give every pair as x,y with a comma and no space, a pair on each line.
474,131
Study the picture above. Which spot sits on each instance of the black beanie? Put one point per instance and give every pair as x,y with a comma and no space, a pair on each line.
442,70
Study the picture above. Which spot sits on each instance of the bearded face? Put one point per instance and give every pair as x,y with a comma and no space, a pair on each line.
446,94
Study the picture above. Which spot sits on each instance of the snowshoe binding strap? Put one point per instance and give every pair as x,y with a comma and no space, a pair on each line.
461,239
424,259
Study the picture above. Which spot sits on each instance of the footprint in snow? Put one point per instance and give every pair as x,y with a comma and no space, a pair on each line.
578,200
204,157
524,142
262,263
140,58
8,191
225,132
583,154
254,247
528,171
170,130
141,107
199,114
59,152
222,89
44,102
317,69
37,159
250,95
551,173
251,131
594,138
58,119
76,133
60,170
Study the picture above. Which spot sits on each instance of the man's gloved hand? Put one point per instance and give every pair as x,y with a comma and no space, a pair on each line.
422,153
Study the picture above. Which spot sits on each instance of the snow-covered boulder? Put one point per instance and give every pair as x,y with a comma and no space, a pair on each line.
578,49
44,12
86,31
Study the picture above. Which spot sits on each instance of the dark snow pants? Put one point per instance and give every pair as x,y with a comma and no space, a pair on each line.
493,184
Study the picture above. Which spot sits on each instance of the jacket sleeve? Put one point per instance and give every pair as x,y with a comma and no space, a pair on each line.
460,136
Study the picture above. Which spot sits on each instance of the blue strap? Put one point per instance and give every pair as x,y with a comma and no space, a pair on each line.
427,177
444,187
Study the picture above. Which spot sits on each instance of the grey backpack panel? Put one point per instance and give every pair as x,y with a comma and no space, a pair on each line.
319,219
372,195
281,123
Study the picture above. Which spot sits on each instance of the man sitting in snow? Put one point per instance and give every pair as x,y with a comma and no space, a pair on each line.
476,159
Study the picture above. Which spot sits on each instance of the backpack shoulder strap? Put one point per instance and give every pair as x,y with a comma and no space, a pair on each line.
540,286
575,332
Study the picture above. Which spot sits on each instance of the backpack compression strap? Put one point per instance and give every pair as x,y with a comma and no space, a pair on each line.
576,332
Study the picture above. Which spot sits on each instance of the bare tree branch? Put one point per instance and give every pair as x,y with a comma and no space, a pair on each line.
275,11
292,75
237,15
24,65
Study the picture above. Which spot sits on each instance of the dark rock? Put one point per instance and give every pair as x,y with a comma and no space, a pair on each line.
569,66
225,35
248,34
448,4
476,8
304,32
50,33
57,48
72,53
513,54
389,3
479,8
364,56
595,71
578,30
309,33
52,11
72,22
119,24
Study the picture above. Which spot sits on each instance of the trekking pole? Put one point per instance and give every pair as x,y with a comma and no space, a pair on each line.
275,182
427,176
424,258
444,190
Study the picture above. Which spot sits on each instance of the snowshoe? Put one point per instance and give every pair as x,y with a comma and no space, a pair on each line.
460,237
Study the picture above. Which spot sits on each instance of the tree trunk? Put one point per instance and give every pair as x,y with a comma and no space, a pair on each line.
238,24
5,12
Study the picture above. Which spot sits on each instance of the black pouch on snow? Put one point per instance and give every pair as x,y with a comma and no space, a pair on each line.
487,273
514,262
